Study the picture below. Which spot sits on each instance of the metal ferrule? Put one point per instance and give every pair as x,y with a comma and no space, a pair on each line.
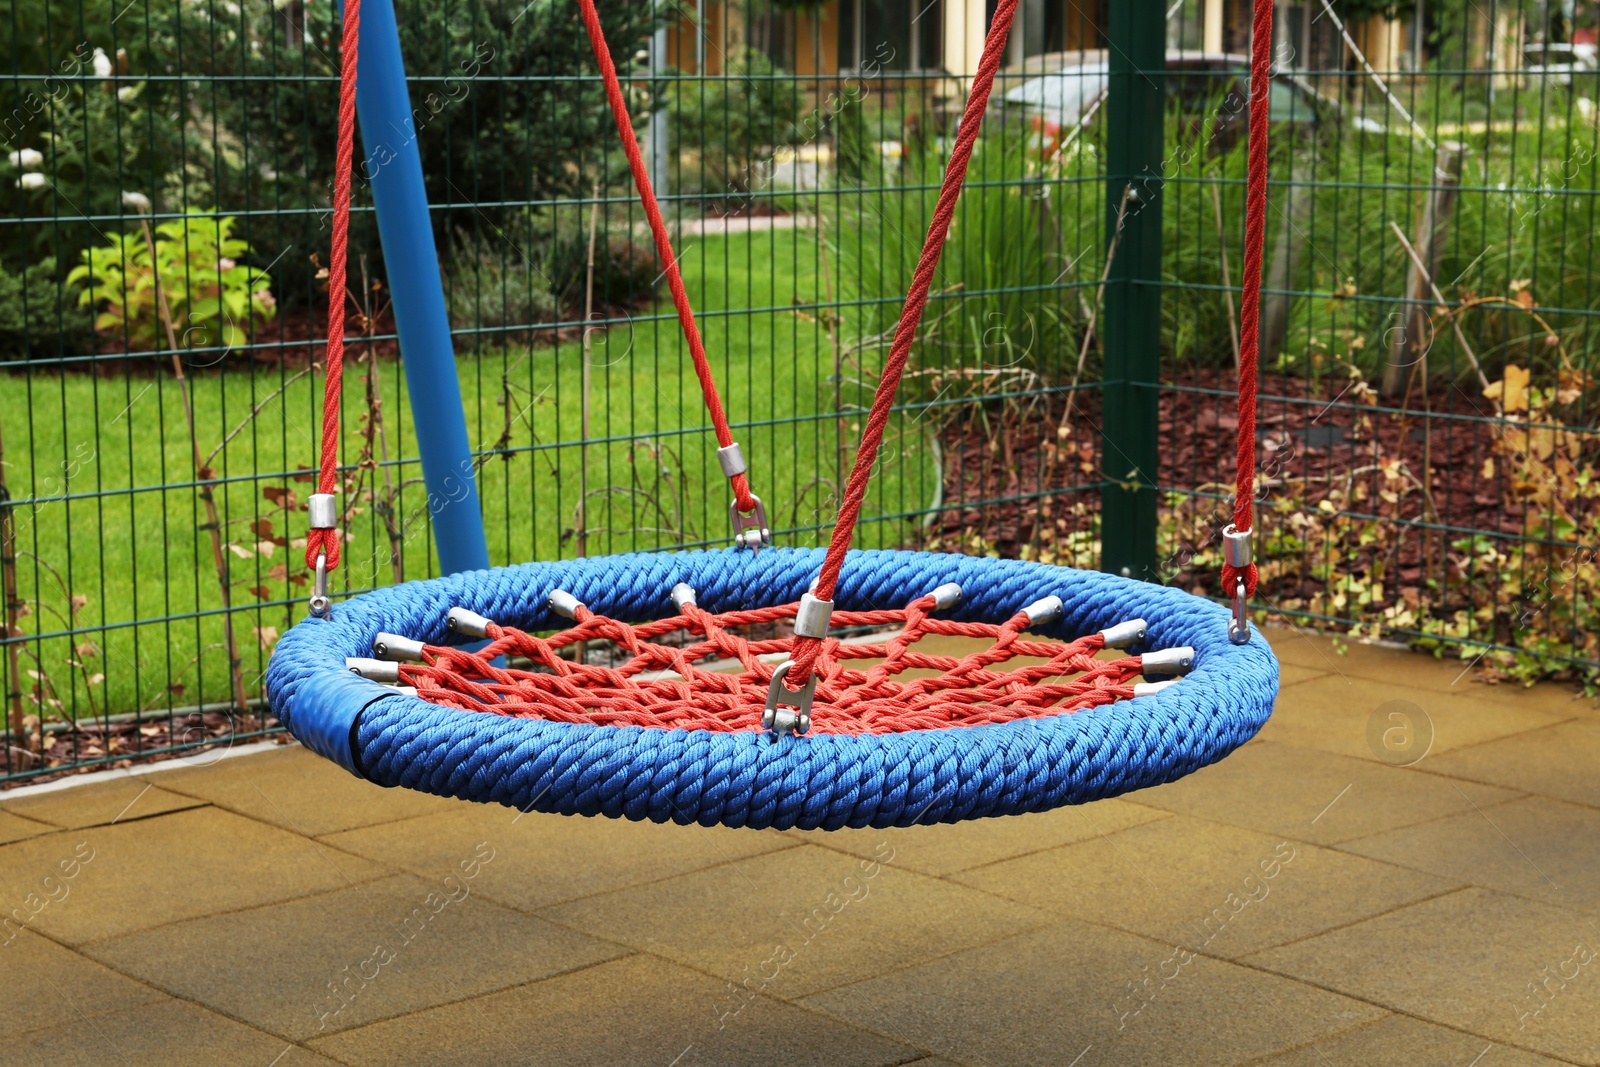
812,618
1237,549
1168,660
682,596
377,670
405,690
1044,610
1124,634
467,623
946,596
564,604
731,459
786,712
395,647
1150,689
324,511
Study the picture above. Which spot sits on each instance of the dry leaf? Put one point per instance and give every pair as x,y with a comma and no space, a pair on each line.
240,551
1511,391
267,635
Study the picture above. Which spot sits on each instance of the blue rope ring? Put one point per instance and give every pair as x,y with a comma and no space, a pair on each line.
819,781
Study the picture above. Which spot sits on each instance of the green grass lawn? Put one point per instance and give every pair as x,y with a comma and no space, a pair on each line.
116,559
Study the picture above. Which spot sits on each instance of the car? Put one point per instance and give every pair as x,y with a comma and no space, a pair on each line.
1209,89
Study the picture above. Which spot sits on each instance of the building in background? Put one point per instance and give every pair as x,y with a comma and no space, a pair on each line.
897,36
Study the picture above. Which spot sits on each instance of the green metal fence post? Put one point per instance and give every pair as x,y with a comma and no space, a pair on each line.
1135,116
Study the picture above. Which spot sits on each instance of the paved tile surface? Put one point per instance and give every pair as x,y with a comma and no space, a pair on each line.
101,804
1308,902
337,960
14,827
540,860
1209,887
1515,971
1079,991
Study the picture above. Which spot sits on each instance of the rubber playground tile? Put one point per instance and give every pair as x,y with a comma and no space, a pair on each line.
15,827
1321,797
1210,888
1558,761
1293,674
799,920
1400,1041
1079,994
100,804
1516,971
47,985
145,873
639,1010
168,1032
542,860
1344,658
1394,724
1378,663
1533,847
298,790
948,847
341,959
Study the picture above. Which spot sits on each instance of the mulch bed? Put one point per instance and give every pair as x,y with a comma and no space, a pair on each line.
67,752
1307,432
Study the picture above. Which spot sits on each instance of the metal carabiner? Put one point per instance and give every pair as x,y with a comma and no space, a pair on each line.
320,604
1239,624
796,717
750,531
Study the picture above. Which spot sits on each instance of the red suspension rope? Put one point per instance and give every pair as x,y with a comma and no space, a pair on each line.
326,540
806,649
658,229
1255,228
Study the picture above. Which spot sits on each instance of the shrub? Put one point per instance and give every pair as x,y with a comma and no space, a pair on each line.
30,322
211,297
487,286
736,121
1005,296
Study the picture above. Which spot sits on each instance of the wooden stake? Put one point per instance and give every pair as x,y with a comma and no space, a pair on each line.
1408,347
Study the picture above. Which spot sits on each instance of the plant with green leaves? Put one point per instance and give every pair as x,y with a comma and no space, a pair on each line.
736,121
186,278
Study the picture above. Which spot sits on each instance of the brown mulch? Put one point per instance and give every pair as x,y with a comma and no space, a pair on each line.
1305,431
96,746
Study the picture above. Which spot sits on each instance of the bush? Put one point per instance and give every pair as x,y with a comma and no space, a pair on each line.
33,322
487,286
211,298
162,115
1003,298
736,121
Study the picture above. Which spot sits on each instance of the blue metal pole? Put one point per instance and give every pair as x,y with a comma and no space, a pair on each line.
393,165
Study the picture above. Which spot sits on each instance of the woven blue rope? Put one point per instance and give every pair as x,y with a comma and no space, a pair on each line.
821,781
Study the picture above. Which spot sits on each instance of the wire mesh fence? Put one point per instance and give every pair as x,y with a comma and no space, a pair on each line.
162,299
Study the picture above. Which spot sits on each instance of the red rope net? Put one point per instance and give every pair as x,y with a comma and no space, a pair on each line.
718,680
